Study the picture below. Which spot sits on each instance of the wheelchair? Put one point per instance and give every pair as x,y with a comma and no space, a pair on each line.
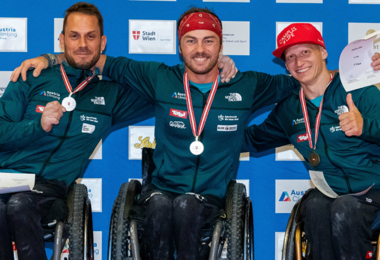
71,220
296,245
231,237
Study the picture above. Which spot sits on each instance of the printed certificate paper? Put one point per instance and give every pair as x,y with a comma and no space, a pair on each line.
355,64
16,182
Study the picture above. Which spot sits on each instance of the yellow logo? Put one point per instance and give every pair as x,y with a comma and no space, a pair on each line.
145,142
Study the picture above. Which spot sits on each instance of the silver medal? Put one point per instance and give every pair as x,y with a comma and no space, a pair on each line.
196,148
69,103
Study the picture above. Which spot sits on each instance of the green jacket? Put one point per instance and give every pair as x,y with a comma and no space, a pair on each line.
349,164
63,152
178,170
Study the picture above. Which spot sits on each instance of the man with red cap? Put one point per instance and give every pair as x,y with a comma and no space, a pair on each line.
338,134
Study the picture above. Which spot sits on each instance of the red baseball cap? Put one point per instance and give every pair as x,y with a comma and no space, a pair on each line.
297,33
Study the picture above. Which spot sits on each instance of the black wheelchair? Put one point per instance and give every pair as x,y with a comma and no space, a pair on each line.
296,245
231,237
71,220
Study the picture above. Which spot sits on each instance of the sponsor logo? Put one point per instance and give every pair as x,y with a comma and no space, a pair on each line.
88,118
287,35
341,110
298,121
177,124
178,113
87,128
335,129
98,101
227,128
145,35
51,94
234,97
369,255
8,32
179,95
284,196
40,109
136,35
228,118
145,142
302,138
295,195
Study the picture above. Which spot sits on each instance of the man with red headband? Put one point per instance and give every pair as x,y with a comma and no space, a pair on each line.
338,134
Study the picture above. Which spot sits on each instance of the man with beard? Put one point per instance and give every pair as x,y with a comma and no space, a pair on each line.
195,160
338,136
40,135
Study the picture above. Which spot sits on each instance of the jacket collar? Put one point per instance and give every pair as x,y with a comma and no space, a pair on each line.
77,73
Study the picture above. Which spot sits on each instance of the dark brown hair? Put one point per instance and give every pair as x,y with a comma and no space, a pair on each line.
84,8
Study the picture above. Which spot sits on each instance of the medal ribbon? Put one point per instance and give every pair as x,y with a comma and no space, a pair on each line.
68,85
306,117
205,110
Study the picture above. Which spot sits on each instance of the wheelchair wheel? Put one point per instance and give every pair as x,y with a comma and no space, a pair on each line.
78,205
119,239
248,230
235,206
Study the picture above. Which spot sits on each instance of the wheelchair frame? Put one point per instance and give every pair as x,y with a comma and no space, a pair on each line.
231,239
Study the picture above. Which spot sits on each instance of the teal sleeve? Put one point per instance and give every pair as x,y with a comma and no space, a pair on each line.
272,89
15,131
265,136
130,107
139,75
369,106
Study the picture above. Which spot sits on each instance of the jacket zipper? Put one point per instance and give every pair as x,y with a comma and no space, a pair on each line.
199,156
59,145
344,173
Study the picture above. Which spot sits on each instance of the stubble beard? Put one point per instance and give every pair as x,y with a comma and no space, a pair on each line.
82,66
195,70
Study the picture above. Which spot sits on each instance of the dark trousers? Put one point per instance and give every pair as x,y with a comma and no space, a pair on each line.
20,220
339,228
172,220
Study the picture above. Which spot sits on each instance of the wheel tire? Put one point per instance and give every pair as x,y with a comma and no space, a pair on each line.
235,205
248,230
76,201
118,239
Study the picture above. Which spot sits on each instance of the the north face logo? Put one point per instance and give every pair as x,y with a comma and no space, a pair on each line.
136,35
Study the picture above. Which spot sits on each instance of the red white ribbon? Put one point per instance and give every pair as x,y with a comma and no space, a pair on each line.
68,85
306,117
205,110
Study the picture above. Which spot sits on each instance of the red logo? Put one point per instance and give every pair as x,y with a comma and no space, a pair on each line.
369,255
14,246
40,109
302,138
178,113
136,35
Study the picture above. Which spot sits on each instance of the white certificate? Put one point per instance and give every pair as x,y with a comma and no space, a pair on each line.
355,64
16,182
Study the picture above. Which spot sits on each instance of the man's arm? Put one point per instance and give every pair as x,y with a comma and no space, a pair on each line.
265,136
16,131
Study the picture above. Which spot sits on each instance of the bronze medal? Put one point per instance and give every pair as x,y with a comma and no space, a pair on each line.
314,159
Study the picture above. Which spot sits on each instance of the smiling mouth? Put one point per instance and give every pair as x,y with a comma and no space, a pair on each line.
303,70
200,58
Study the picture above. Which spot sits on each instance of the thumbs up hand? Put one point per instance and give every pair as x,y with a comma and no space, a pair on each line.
351,122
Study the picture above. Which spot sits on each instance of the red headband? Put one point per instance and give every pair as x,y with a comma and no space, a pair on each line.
200,21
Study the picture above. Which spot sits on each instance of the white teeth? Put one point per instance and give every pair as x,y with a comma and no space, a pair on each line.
303,70
200,59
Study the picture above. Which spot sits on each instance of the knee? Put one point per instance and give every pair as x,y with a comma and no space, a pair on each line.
18,205
344,210
185,203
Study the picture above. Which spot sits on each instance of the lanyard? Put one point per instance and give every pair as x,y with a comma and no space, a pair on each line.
68,85
306,117
205,110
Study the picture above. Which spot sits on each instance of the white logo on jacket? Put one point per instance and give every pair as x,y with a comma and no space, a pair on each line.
98,101
335,128
341,110
87,128
234,97
227,128
228,118
177,124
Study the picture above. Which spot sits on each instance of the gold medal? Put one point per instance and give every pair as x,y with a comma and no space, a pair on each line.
314,159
